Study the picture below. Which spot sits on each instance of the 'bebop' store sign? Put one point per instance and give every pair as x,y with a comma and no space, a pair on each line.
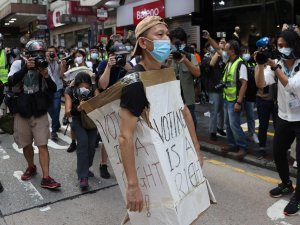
151,9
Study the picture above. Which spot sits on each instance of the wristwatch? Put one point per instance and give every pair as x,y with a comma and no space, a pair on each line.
275,68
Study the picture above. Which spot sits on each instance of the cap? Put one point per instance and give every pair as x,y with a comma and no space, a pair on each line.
145,24
119,49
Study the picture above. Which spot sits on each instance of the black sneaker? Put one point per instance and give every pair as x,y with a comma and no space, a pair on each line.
261,153
221,132
104,172
213,137
54,136
72,147
293,207
1,187
282,189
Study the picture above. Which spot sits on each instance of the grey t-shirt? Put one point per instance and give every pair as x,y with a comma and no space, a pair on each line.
54,70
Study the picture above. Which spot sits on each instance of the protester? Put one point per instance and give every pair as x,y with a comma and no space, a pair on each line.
54,73
213,66
234,88
34,87
153,44
186,67
286,70
86,138
94,58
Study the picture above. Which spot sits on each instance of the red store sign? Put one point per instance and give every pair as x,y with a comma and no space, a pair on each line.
76,9
151,9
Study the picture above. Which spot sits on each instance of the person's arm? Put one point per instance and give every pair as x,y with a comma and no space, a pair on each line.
278,72
242,92
214,59
191,127
195,70
16,74
259,76
127,127
212,42
51,86
105,77
68,105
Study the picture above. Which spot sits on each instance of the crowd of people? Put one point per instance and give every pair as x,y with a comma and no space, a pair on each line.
234,77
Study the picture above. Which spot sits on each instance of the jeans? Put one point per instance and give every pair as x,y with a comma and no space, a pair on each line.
192,111
236,137
216,119
86,140
249,109
54,110
265,108
285,134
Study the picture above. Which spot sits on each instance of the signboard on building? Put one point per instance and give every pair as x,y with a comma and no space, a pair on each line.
156,8
102,14
76,9
89,2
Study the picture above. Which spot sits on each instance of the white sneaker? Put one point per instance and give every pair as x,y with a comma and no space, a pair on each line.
255,138
295,164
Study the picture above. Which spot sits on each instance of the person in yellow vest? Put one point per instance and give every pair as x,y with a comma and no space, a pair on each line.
234,84
3,73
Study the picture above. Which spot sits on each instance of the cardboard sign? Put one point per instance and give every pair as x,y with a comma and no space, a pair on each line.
170,176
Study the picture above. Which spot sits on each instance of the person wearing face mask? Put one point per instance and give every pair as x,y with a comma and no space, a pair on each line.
33,89
250,96
54,73
287,71
186,68
234,84
213,66
94,58
153,45
82,90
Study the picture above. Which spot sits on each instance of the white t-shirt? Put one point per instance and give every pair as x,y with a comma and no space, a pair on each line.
290,94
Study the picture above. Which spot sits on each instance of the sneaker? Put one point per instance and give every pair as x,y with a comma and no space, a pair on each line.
221,132
91,174
282,189
84,183
1,187
29,173
72,147
213,137
54,136
104,172
261,153
255,138
293,207
49,183
295,164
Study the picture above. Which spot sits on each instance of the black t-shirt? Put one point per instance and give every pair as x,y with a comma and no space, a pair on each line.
133,95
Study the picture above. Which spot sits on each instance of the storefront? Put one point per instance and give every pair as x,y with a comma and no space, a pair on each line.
174,12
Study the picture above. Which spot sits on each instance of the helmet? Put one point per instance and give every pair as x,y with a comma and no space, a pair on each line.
35,45
1,37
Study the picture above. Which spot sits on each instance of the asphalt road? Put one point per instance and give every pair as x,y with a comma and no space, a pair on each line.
241,191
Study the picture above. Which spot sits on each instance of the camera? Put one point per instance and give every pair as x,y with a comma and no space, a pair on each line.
65,121
221,85
52,55
268,51
40,62
177,54
120,60
69,59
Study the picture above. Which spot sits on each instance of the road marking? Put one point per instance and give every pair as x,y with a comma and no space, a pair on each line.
275,211
29,188
245,128
3,153
239,170
46,208
65,138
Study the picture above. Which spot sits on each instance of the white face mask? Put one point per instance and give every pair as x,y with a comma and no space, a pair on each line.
78,60
286,52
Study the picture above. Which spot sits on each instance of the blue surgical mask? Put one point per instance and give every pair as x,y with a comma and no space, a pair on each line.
161,50
84,92
285,51
212,50
246,57
225,56
94,56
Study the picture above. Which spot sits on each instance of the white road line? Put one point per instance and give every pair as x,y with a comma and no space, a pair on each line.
275,212
3,153
44,209
29,188
65,138
20,150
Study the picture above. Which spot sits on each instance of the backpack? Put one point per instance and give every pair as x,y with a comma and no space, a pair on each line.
251,91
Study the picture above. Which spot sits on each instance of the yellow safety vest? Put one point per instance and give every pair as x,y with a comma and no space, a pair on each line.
230,78
3,67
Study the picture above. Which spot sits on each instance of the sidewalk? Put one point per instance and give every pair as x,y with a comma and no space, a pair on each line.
216,146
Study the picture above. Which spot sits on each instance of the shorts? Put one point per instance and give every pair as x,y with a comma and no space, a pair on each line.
28,129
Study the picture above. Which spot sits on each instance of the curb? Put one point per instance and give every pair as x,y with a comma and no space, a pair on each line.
250,159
